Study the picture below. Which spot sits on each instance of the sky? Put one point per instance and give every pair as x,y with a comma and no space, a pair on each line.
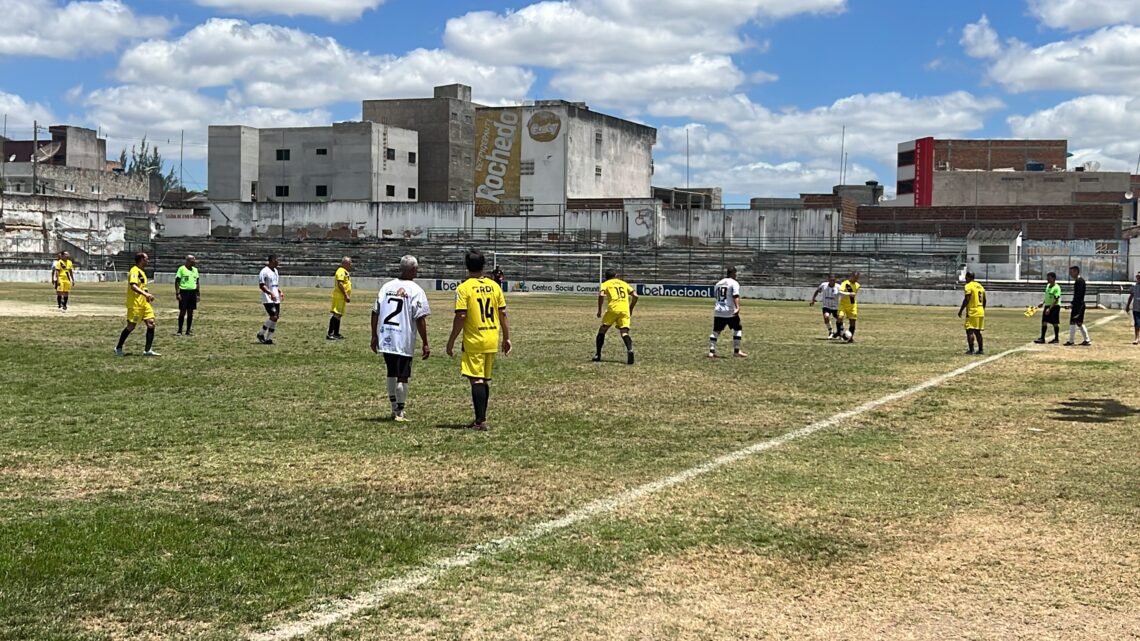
761,89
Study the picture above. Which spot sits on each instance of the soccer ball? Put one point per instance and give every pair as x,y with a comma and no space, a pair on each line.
846,334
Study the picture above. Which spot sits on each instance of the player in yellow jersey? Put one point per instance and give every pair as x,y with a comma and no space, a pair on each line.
62,275
341,297
480,315
974,305
619,299
139,309
848,305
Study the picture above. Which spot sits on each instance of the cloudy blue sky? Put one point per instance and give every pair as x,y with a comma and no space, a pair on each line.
763,87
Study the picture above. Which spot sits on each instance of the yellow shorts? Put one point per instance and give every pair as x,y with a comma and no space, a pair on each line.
976,322
620,319
338,304
63,287
850,313
476,365
140,313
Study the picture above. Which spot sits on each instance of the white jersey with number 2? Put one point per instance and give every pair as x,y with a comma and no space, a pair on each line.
725,292
400,304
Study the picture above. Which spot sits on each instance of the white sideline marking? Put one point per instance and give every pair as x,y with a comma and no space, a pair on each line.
346,608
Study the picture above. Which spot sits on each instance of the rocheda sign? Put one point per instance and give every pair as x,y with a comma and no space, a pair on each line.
497,143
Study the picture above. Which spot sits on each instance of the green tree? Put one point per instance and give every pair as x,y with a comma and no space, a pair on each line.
147,161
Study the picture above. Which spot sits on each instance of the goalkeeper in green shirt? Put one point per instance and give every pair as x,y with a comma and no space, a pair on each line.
1052,307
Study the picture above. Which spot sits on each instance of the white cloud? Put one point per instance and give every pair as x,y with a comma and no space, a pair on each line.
700,74
48,29
22,114
1077,15
980,40
1097,127
1106,60
131,112
335,10
573,33
284,67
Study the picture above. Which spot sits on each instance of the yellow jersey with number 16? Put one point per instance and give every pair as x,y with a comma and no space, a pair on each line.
617,293
483,301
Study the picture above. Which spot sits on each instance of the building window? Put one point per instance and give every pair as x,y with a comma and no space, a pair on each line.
1013,179
322,191
322,151
905,187
390,153
391,190
96,189
597,171
411,157
597,144
411,193
906,158
282,154
526,168
526,205
993,254
652,167
282,191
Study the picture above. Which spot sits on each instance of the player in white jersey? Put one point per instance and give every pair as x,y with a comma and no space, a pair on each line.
268,281
830,292
401,310
726,313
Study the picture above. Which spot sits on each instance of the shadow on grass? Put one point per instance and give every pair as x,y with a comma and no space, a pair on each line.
1092,410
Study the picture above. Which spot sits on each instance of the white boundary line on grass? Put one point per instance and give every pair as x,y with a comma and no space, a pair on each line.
342,609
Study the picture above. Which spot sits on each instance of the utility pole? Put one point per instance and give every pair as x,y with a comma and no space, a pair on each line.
181,153
35,150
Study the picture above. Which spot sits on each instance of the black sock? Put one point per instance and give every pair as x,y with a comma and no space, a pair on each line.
59,301
852,329
181,318
480,393
1056,332
981,343
337,331
149,338
65,297
123,337
628,340
1044,327
599,341
189,320
332,325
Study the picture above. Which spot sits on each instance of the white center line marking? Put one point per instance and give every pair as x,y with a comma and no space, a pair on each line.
342,609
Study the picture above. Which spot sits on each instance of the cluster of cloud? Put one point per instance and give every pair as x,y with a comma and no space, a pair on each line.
335,10
45,28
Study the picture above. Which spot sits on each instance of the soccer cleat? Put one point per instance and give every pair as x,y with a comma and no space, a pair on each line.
151,353
1040,341
1054,341
400,418
970,352
1086,344
980,353
268,341
260,337
330,337
479,427
597,358
1068,343
629,358
119,352
740,355
712,354
177,333
338,337
189,333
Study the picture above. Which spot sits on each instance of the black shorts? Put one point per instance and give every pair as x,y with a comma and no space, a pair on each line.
1052,316
399,366
187,300
830,311
1077,315
720,322
273,309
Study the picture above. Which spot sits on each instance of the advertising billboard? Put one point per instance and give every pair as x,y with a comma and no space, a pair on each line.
497,161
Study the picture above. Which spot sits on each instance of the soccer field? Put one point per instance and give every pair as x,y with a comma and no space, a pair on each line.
231,490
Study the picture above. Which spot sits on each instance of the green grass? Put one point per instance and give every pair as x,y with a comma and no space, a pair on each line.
228,485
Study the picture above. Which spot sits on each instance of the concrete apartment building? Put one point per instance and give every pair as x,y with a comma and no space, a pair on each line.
72,163
521,158
956,173
347,161
446,127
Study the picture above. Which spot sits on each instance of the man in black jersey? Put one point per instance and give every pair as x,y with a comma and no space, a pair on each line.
1077,307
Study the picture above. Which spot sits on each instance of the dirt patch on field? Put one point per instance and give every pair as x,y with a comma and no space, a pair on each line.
25,310
68,481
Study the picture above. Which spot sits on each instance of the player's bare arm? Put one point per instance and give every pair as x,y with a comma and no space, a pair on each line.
267,292
601,301
962,308
343,292
456,330
632,301
814,295
1128,305
375,344
139,290
736,302
421,327
506,329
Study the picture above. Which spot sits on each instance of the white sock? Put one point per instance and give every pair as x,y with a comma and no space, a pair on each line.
272,325
401,396
827,324
737,338
1084,333
712,342
1072,333
392,393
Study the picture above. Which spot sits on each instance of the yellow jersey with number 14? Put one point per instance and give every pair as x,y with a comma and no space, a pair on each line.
617,293
482,300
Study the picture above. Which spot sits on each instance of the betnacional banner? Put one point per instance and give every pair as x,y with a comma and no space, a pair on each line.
497,152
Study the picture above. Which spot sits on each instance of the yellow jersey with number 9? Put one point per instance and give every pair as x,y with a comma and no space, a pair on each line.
483,301
617,293
975,295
